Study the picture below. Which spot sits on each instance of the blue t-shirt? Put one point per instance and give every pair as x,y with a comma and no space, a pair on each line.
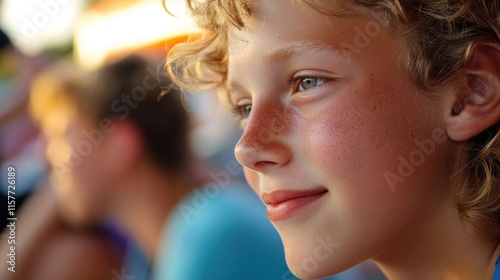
496,274
135,262
221,234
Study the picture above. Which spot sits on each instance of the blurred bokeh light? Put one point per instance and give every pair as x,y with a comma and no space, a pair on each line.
110,28
96,30
38,25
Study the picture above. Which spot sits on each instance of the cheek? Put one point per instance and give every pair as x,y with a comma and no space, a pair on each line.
88,171
349,152
89,176
86,159
373,131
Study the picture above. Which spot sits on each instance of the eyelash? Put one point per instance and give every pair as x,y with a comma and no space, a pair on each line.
295,81
237,110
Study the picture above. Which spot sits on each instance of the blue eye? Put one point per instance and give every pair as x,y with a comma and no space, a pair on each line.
307,83
242,111
245,110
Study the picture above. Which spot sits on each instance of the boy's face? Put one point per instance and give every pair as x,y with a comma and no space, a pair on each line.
81,171
349,156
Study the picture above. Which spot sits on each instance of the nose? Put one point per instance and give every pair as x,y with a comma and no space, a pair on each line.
263,143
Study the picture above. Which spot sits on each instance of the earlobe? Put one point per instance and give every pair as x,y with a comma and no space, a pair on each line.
478,106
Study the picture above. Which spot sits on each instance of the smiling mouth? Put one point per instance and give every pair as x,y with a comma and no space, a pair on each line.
282,204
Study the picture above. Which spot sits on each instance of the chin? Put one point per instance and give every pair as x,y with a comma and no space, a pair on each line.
76,217
307,268
313,258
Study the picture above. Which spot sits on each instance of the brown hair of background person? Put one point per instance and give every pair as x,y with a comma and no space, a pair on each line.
121,91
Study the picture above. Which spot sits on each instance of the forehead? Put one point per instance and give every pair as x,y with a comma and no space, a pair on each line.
282,28
278,20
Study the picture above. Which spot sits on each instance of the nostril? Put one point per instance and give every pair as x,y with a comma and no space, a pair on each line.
263,164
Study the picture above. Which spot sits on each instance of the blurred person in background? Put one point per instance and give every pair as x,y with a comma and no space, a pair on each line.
18,135
46,246
126,160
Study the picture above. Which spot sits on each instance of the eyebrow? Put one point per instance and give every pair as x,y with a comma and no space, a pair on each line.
288,51
298,48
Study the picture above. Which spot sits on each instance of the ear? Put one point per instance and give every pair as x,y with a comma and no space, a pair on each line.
124,146
478,106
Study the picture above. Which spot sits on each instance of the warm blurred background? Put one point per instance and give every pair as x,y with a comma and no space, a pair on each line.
89,34
93,30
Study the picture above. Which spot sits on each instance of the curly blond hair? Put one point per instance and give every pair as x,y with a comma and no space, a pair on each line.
440,36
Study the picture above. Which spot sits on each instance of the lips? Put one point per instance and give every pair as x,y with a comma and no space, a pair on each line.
282,204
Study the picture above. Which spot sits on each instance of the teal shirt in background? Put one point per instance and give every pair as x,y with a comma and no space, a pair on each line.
218,235
496,275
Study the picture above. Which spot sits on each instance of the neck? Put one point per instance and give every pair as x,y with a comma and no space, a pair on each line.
148,197
440,248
